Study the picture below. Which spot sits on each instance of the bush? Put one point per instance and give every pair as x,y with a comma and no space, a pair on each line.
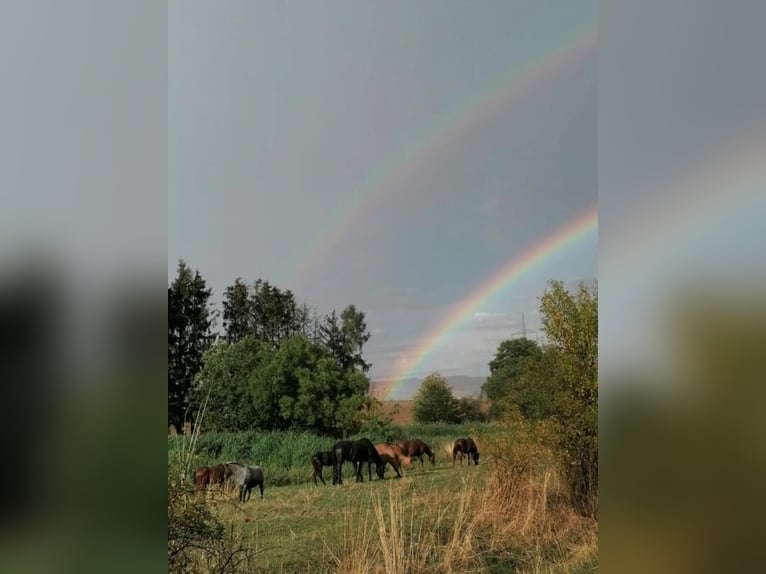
434,401
571,323
197,540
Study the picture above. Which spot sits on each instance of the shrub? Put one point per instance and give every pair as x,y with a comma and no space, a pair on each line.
434,401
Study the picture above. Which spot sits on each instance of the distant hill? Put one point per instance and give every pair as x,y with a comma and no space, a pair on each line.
462,386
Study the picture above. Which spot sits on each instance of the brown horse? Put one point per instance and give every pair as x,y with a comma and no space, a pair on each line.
465,446
217,475
393,455
416,448
201,479
208,475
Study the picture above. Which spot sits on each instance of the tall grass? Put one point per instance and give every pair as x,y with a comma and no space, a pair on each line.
197,540
285,455
512,514
520,519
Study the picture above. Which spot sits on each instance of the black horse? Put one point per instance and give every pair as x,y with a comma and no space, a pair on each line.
323,458
358,452
465,446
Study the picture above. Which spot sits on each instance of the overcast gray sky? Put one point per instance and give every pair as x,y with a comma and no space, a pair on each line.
282,114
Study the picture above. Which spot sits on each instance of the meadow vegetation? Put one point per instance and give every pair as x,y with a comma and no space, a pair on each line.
272,393
512,513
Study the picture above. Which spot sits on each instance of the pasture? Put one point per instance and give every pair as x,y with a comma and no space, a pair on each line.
300,528
500,516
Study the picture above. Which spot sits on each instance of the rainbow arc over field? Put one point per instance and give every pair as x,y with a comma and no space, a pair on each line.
503,278
389,178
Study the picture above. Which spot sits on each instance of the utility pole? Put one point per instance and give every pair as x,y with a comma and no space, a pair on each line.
523,326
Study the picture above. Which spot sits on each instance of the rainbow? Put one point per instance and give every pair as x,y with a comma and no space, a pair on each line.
389,176
694,196
515,268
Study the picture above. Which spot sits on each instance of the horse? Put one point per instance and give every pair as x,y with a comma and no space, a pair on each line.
416,448
318,460
393,455
201,479
465,446
246,477
357,451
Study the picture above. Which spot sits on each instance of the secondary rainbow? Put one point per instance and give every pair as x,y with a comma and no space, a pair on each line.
515,268
389,177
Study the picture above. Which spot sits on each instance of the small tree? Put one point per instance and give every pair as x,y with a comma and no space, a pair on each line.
434,401
512,362
571,323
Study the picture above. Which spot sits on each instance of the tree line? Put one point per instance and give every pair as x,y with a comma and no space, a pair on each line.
278,364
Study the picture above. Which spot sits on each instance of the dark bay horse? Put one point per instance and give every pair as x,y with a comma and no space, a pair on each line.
358,452
465,446
318,460
416,448
246,477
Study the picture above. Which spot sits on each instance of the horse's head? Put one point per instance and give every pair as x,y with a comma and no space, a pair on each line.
432,458
476,457
380,469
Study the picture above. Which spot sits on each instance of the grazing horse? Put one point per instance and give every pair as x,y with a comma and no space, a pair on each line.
246,477
217,475
318,460
201,479
416,448
465,446
358,452
393,455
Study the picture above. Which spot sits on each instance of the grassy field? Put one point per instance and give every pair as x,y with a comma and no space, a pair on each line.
300,528
509,514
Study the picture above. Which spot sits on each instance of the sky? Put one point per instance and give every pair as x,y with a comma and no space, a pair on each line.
682,142
387,155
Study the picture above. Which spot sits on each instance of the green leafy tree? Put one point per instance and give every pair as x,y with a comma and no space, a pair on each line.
237,319
189,336
345,337
250,384
355,333
570,322
225,385
333,339
533,386
512,359
470,409
434,402
274,313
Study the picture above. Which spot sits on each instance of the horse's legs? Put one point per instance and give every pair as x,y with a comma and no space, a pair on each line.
261,485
